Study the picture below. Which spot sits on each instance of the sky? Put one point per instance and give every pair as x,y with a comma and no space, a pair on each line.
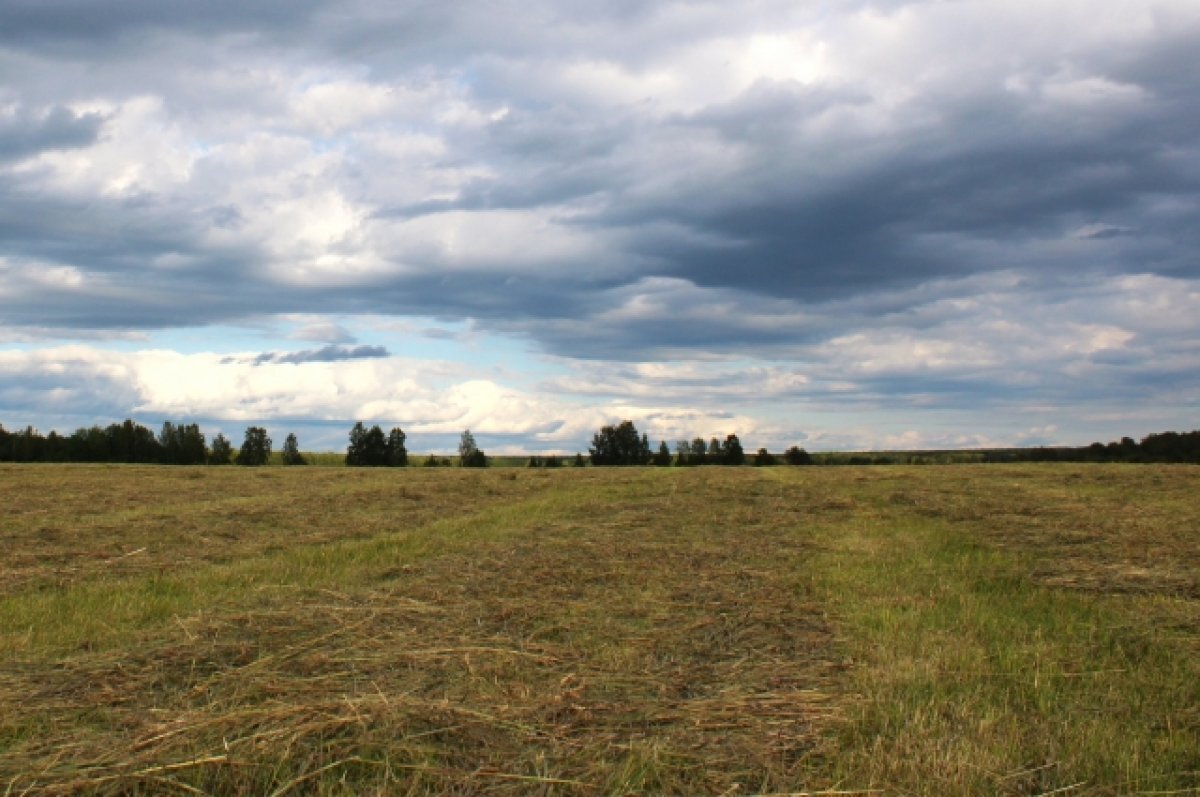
840,225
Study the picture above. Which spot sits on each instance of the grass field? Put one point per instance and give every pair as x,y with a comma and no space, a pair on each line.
961,629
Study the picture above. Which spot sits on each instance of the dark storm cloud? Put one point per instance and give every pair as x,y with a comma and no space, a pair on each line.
804,235
1001,177
100,234
24,134
87,25
1071,165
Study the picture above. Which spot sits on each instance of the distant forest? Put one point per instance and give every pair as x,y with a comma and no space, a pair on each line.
621,444
1159,447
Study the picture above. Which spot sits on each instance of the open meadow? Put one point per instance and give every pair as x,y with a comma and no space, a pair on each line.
958,629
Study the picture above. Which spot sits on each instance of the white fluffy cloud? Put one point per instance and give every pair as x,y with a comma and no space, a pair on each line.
430,399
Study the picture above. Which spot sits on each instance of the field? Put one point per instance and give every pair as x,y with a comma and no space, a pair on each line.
958,629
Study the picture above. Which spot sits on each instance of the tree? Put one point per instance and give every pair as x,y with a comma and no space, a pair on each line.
256,448
396,453
181,444
192,449
433,462
55,449
579,463
91,444
469,454
27,445
699,452
354,451
535,461
732,452
376,448
132,442
221,452
764,459
368,447
552,461
87,445
797,456
620,446
291,451
168,440
663,458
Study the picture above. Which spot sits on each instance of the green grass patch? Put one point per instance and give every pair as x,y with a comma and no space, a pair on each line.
972,677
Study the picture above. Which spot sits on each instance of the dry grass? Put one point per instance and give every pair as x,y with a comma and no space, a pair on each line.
608,647
966,630
68,524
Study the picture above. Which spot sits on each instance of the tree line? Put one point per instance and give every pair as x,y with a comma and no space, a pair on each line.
371,448
621,445
130,442
616,445
1157,447
184,444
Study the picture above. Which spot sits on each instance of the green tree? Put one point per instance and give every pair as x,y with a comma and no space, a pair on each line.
291,451
26,445
55,449
396,453
619,446
168,441
132,442
192,448
87,445
663,458
354,451
764,459
221,452
181,444
469,454
797,456
376,448
732,452
368,447
256,448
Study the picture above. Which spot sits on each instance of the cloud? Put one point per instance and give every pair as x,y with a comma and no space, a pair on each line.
978,348
82,27
924,204
24,134
324,332
807,183
325,354
1102,231
432,400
